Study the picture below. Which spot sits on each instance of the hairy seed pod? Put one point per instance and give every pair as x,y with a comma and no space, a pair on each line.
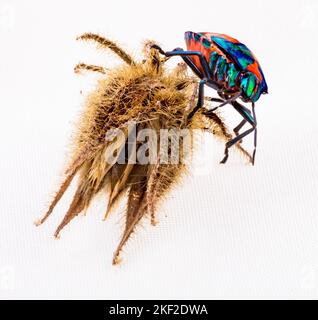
128,101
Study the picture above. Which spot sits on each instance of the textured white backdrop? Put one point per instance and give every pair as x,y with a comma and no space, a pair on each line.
232,231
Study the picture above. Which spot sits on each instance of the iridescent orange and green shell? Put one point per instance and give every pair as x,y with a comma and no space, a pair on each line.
232,64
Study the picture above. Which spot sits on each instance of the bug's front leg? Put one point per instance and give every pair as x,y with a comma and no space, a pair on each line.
200,102
239,127
185,56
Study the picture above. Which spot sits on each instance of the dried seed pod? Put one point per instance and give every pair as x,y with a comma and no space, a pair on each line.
128,101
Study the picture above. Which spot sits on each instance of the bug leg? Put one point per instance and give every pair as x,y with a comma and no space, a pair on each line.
200,102
205,74
239,127
255,132
217,127
193,67
88,67
234,141
213,99
186,59
225,102
185,54
245,113
242,123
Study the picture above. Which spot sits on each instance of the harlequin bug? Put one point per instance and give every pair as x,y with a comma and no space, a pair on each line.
228,66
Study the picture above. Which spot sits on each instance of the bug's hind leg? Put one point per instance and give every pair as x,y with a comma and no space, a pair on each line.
219,128
243,122
239,127
88,67
245,113
105,43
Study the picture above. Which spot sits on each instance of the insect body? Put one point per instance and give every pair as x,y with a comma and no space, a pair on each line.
232,65
228,66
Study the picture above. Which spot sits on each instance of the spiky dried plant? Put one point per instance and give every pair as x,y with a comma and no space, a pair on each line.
135,95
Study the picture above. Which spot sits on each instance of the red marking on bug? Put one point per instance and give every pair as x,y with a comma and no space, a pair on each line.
193,45
254,68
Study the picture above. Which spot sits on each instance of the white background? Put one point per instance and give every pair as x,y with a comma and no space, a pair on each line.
232,231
